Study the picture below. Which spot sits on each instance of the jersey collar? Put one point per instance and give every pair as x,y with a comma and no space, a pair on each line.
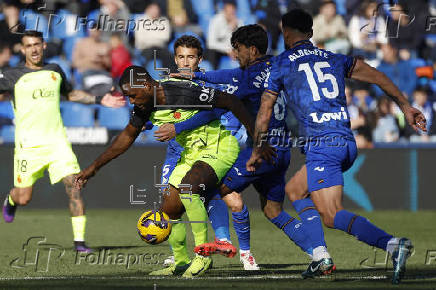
301,42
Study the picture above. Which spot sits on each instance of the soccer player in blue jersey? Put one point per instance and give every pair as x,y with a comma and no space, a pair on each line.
247,83
314,84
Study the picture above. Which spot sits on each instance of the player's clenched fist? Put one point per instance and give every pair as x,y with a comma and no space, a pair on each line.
83,176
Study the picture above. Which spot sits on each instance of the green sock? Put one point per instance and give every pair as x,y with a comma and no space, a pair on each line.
11,202
177,241
79,223
196,212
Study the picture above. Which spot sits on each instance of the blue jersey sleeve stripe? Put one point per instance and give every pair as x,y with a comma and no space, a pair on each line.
272,92
350,71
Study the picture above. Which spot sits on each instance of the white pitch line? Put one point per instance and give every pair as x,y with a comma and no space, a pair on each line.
256,277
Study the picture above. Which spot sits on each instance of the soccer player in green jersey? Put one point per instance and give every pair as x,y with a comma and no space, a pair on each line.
209,150
40,139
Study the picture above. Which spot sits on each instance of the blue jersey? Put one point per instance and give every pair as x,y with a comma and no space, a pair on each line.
313,81
248,85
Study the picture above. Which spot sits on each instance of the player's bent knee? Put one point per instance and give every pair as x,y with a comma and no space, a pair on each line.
328,219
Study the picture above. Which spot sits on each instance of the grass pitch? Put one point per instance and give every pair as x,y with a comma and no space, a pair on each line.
36,252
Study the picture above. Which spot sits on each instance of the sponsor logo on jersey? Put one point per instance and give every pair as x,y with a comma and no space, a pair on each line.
327,117
177,115
208,156
237,171
42,93
19,179
206,95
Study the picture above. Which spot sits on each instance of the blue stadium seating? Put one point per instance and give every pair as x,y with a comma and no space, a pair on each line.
65,65
244,12
77,115
7,134
6,110
227,63
150,68
113,119
207,65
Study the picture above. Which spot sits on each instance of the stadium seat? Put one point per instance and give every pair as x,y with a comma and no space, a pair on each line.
150,68
7,134
280,44
6,110
244,12
227,63
14,60
207,65
77,115
113,119
65,65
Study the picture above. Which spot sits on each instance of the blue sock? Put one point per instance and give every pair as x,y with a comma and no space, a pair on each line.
294,229
219,217
361,228
241,223
311,220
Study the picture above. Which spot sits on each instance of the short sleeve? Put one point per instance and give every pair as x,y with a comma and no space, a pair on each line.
66,87
273,82
349,63
186,95
138,117
6,84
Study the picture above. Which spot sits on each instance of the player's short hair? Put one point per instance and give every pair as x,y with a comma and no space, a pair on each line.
298,19
32,33
139,73
190,42
250,35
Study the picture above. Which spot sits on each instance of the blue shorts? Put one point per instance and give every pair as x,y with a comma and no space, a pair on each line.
268,179
171,159
326,161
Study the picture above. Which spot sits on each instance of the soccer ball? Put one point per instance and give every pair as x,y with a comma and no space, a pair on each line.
154,227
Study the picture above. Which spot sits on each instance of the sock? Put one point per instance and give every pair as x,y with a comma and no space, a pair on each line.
11,202
294,229
219,217
392,245
177,240
320,253
241,223
362,229
196,212
79,224
311,221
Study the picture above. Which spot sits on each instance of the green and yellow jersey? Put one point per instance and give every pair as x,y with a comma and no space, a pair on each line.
35,97
210,143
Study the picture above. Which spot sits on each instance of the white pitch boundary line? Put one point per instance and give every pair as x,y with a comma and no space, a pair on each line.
256,277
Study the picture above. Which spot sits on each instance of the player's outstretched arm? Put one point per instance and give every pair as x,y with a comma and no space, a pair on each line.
121,143
261,129
107,100
232,103
364,72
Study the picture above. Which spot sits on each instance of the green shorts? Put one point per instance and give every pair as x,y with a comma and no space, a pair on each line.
219,154
30,163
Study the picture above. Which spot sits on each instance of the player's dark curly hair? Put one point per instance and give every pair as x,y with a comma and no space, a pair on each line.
298,19
32,33
190,42
138,72
250,35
